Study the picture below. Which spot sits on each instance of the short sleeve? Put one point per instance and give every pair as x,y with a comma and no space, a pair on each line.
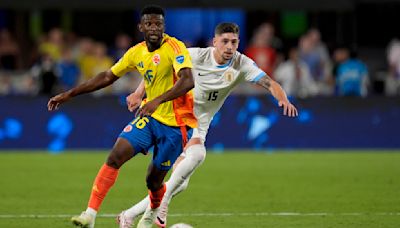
251,71
125,64
180,58
194,54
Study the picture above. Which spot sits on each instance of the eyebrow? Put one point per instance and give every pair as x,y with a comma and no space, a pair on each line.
234,39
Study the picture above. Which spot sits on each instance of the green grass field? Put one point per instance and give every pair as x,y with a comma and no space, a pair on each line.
240,189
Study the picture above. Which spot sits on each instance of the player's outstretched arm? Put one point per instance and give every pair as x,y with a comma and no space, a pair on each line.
134,99
276,90
102,80
181,87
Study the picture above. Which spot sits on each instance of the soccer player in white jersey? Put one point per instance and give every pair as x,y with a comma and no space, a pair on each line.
217,70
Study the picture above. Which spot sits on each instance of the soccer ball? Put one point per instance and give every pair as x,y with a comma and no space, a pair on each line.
181,225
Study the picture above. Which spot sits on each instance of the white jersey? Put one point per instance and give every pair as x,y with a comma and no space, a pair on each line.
214,82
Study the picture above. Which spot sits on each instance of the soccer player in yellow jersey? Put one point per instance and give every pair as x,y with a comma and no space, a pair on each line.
165,121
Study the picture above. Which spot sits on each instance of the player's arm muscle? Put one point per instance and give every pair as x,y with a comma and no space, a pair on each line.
273,87
140,90
276,90
184,84
265,82
101,80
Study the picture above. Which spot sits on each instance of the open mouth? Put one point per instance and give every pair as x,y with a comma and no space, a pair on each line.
153,36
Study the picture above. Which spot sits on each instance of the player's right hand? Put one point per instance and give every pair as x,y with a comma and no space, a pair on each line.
55,101
133,101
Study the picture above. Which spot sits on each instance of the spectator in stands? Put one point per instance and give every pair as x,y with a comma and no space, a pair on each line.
295,77
122,44
351,74
46,75
315,54
9,51
85,57
67,70
272,40
100,62
393,58
53,44
261,48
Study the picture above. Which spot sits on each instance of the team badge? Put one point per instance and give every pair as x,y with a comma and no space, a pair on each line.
156,59
128,128
229,76
180,59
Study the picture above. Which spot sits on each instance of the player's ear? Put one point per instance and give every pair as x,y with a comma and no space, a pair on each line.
214,41
140,27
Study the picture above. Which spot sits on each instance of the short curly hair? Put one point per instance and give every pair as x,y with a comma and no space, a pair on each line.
152,9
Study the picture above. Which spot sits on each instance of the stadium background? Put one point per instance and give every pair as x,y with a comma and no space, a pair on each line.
345,148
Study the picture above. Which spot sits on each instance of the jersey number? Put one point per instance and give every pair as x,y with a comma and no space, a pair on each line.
148,76
212,96
140,122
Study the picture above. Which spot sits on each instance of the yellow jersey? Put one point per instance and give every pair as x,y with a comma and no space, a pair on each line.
160,72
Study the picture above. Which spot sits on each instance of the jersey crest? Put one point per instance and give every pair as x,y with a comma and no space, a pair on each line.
229,76
156,59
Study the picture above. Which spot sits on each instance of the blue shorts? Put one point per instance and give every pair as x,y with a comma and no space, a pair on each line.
143,133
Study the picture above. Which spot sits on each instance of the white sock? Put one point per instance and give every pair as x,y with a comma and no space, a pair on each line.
179,179
181,187
138,208
91,211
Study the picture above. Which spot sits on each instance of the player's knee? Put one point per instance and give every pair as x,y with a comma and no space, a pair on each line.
121,152
117,158
114,161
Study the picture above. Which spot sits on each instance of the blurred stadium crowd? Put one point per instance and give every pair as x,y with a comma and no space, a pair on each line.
60,60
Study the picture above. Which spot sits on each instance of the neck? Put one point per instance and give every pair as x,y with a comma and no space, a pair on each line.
152,47
218,58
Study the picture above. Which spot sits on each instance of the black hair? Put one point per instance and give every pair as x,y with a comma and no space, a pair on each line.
351,49
152,9
226,27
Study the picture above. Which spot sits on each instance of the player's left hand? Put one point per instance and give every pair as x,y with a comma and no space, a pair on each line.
149,108
288,109
56,101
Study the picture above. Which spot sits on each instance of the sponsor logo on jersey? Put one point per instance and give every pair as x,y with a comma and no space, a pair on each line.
167,163
206,74
140,64
128,128
156,59
180,59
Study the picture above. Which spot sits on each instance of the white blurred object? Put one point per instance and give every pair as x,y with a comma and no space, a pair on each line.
181,225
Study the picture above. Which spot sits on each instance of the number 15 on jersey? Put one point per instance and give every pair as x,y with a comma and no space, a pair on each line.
212,96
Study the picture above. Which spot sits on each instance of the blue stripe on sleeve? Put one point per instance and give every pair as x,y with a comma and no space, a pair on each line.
258,77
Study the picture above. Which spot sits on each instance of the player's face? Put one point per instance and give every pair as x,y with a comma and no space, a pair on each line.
152,27
226,45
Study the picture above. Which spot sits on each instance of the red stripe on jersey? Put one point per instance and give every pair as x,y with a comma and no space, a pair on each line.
174,45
